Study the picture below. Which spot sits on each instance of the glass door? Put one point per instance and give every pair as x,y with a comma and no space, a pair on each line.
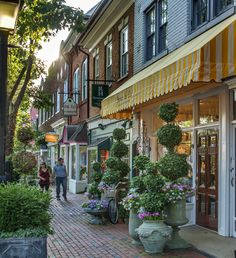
207,178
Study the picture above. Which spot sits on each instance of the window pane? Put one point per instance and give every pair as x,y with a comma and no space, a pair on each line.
185,116
220,5
73,157
199,12
208,110
151,33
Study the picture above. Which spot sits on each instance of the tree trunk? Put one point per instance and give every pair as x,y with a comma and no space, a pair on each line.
12,117
10,133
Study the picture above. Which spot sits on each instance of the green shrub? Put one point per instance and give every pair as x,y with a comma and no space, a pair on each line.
24,209
25,134
168,112
119,134
153,202
93,189
154,183
111,177
138,184
119,149
111,162
96,177
173,166
169,136
24,162
140,162
96,166
151,168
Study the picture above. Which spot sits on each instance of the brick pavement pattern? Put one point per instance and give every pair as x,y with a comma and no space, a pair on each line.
75,237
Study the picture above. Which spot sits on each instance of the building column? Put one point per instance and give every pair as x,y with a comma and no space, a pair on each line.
224,166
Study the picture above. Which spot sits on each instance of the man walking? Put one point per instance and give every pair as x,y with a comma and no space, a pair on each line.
59,172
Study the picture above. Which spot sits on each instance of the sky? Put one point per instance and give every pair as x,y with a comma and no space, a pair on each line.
50,50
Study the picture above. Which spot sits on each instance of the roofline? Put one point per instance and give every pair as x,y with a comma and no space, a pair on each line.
94,19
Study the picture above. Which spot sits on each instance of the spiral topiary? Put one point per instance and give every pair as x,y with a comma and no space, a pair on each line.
117,169
119,149
119,134
170,136
172,165
168,112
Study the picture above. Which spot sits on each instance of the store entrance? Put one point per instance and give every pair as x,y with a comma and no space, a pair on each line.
207,178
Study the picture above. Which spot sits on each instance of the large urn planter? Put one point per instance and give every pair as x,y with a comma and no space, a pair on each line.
175,217
98,216
134,223
154,235
23,247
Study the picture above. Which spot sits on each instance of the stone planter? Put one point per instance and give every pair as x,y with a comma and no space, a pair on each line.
134,223
153,235
23,247
175,217
98,216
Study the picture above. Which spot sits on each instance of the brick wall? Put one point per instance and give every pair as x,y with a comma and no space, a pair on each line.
115,56
54,80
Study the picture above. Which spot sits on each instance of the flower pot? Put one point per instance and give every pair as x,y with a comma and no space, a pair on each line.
175,217
97,216
23,247
176,214
153,235
134,223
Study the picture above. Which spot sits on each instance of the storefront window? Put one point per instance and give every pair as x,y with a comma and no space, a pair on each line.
104,155
185,147
73,161
83,161
92,157
208,110
185,116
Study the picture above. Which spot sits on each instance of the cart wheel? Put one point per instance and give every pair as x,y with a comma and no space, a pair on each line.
113,211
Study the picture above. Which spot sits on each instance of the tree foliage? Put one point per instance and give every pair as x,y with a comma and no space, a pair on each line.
39,20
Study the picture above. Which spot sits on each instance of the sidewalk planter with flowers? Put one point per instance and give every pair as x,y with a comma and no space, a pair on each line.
97,209
153,232
132,203
174,167
24,221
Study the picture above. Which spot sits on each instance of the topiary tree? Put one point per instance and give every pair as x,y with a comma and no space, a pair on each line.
172,165
25,134
117,169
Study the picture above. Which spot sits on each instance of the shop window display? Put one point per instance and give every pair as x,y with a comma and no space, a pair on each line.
185,116
208,110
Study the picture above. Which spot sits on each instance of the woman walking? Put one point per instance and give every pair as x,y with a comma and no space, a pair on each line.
44,177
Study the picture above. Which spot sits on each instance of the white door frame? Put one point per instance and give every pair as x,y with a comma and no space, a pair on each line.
232,181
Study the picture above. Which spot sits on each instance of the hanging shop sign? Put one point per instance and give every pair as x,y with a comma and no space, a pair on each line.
70,107
99,92
51,137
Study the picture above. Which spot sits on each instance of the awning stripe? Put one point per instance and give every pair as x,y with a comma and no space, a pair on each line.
211,56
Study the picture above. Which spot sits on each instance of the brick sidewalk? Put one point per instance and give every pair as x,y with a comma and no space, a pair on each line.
75,237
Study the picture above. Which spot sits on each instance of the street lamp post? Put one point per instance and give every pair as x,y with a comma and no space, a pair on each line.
8,15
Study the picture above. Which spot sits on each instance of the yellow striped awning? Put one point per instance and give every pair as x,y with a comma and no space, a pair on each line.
210,56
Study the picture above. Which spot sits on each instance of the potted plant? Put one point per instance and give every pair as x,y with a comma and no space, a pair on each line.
97,209
173,166
132,204
24,221
153,233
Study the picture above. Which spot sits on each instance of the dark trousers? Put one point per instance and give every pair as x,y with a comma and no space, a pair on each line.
61,181
44,186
